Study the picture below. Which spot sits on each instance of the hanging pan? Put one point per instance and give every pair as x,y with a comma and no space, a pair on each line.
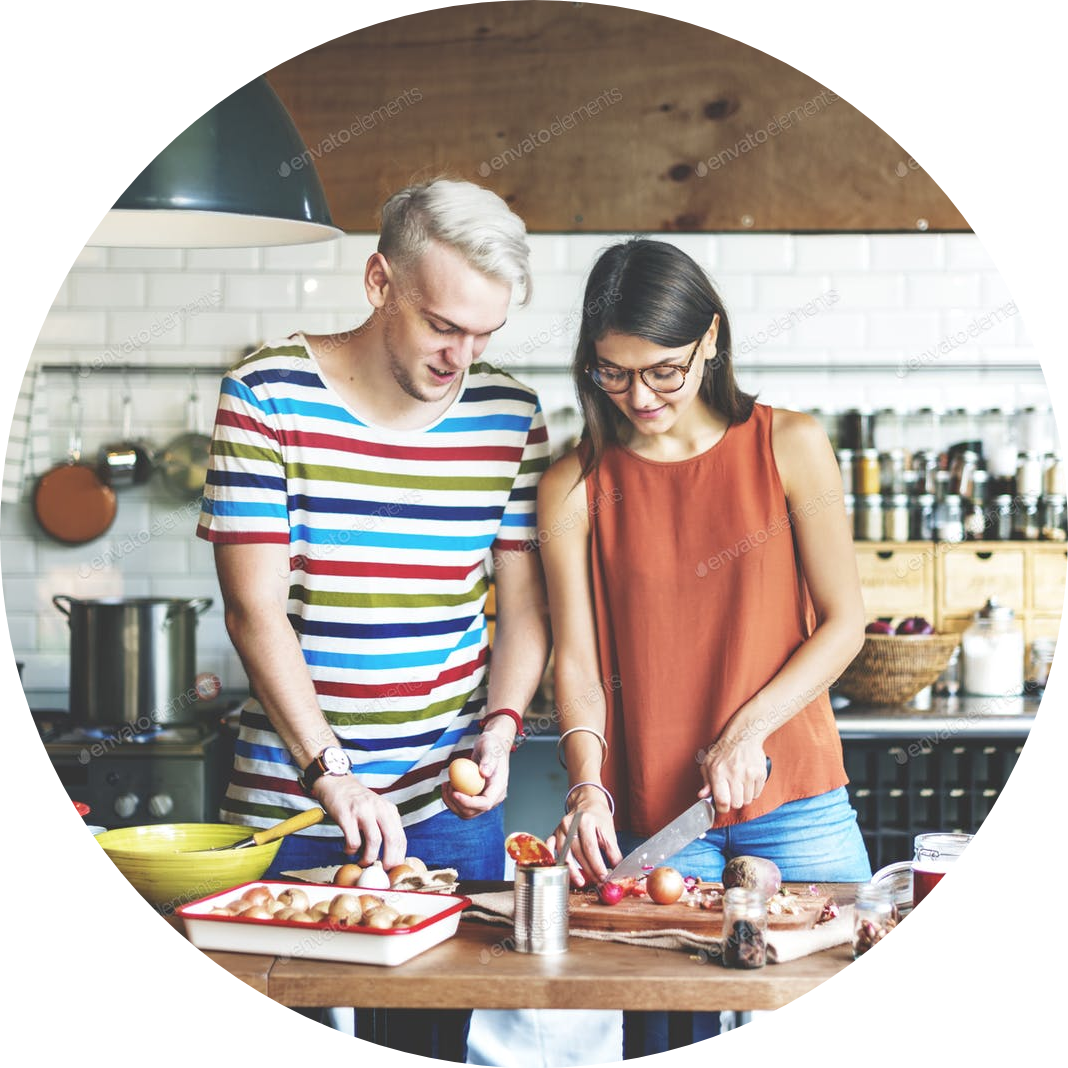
183,464
70,502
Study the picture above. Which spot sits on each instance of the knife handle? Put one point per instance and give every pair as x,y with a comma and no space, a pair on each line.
290,826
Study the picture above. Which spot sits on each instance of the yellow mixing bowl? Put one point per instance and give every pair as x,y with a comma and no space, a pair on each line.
162,863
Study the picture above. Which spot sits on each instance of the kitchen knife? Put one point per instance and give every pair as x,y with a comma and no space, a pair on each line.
678,834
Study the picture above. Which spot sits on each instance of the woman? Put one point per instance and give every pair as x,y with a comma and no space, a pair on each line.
703,591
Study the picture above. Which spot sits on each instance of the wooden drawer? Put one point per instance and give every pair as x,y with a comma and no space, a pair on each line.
971,575
897,581
1048,570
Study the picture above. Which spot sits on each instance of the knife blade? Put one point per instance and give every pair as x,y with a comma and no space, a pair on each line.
678,834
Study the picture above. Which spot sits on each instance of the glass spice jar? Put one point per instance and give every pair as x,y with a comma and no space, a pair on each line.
1029,474
849,504
1054,482
1002,519
892,464
1054,510
896,518
1039,661
949,519
925,464
867,473
875,915
845,466
1026,520
922,518
745,925
868,518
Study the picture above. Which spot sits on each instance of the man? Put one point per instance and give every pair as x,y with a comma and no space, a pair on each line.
362,485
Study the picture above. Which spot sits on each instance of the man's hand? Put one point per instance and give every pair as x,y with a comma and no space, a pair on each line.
369,823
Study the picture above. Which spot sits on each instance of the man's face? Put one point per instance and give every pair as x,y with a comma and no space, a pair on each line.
438,320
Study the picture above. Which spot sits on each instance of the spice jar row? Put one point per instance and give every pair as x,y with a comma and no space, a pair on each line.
953,518
867,472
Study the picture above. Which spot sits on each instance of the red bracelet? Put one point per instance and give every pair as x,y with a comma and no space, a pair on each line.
520,734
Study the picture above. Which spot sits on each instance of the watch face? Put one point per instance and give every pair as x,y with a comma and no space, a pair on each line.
335,761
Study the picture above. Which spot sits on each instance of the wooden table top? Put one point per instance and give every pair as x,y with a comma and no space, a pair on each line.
475,969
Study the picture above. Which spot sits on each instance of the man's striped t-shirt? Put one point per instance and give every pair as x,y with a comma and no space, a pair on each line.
390,535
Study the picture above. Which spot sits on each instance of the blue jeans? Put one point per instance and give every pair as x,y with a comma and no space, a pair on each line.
815,840
475,848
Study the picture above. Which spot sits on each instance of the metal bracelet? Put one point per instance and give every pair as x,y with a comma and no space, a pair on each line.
571,730
611,800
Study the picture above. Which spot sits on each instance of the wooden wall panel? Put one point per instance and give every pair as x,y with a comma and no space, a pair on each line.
588,118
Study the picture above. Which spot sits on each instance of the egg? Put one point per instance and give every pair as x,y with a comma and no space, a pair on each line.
374,878
465,777
415,864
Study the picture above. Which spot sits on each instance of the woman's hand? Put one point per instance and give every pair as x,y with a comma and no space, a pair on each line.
491,754
734,772
595,841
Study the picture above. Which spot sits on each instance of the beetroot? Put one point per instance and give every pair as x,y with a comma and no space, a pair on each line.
754,873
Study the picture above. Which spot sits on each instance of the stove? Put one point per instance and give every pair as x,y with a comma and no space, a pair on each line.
130,776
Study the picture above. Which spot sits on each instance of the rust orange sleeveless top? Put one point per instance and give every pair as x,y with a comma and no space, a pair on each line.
699,602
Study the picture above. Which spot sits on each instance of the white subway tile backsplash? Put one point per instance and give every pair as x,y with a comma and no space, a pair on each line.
186,293
71,327
906,252
230,330
260,292
106,289
899,297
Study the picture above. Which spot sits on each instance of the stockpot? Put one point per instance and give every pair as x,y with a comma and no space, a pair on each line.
133,660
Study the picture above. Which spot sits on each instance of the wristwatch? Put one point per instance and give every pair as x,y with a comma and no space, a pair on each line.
333,760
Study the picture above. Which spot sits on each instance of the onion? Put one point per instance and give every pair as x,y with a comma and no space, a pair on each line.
294,898
664,885
610,893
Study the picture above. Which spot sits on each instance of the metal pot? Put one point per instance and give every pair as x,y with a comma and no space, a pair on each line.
133,660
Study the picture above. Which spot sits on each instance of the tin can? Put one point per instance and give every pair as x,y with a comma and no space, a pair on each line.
867,476
896,517
541,896
868,524
922,518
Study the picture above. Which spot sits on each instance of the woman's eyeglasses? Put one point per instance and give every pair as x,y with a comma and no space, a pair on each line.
663,378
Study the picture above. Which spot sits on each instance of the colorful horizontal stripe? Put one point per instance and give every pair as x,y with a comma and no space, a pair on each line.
390,536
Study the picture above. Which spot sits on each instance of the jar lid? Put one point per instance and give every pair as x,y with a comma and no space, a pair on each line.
994,609
980,475
900,500
926,499
1056,498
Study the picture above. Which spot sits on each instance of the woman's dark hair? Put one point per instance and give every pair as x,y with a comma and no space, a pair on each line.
652,290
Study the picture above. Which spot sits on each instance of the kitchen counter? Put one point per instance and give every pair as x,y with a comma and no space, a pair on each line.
475,969
1003,717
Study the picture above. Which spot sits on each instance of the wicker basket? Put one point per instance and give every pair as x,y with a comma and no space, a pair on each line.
892,668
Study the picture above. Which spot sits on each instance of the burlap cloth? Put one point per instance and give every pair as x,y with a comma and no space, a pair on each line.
783,945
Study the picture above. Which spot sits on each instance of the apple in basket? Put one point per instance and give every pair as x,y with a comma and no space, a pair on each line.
879,626
915,625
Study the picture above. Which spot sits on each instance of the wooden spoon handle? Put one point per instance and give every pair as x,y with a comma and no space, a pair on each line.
295,823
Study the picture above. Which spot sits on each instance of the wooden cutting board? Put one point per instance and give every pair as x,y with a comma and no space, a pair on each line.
641,914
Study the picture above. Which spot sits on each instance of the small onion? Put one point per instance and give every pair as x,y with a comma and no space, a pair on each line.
664,885
294,898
